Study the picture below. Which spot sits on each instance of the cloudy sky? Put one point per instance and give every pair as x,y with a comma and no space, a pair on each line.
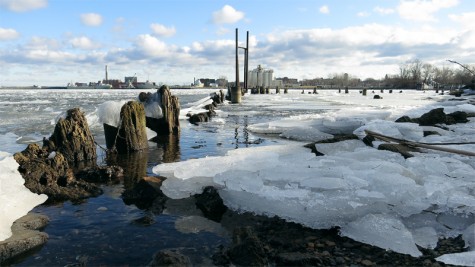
53,42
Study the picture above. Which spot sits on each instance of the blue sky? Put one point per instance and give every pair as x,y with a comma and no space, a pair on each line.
53,42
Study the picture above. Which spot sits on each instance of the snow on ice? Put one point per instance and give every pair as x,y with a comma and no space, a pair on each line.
374,196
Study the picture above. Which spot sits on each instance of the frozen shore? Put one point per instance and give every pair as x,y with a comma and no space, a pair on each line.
374,196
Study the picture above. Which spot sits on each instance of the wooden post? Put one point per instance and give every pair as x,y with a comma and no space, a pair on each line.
236,90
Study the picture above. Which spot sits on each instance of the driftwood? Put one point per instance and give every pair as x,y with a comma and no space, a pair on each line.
422,145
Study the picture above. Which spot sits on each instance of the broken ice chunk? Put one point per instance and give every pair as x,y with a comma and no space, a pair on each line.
384,231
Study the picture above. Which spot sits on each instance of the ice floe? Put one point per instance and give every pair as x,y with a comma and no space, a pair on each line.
373,196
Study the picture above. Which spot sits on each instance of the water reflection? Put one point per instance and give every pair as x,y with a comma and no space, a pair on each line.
136,165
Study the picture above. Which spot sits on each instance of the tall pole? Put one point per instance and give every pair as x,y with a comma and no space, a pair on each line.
236,90
246,61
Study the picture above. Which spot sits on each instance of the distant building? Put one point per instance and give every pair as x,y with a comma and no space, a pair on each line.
261,77
205,82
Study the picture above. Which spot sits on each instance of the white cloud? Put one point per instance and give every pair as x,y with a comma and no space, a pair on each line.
91,19
83,42
8,34
222,31
227,15
423,10
363,14
464,19
151,46
23,5
324,9
383,11
162,30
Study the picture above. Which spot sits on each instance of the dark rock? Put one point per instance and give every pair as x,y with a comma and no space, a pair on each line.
73,138
405,119
368,140
247,249
101,174
398,148
377,97
146,193
427,133
210,203
169,258
298,259
51,175
433,117
457,117
199,117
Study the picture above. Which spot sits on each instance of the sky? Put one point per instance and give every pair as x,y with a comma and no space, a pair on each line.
54,42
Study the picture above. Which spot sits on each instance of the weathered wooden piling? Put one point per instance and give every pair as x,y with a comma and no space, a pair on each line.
132,135
365,91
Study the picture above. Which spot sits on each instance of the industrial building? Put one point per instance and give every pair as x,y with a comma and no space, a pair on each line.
262,77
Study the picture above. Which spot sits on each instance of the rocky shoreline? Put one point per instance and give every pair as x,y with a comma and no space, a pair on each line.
256,240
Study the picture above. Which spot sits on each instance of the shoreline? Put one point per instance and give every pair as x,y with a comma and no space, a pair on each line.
319,249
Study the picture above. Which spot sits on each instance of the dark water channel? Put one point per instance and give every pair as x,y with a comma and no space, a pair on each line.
104,231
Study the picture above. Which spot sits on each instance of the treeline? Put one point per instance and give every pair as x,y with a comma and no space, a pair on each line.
414,74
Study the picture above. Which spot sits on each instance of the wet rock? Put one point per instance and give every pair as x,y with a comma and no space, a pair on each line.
210,203
101,174
298,259
199,117
247,249
169,258
433,117
457,117
437,116
73,138
50,174
406,119
25,237
146,193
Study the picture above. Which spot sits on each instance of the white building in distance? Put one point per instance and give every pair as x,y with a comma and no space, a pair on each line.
262,77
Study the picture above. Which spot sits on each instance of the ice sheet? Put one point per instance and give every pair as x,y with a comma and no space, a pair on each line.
16,200
356,187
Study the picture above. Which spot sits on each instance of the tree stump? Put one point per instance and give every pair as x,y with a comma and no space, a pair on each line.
132,134
73,138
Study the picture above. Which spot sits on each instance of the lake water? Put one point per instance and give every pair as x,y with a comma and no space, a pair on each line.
104,230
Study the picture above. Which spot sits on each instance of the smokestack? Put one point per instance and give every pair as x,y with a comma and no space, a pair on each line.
107,78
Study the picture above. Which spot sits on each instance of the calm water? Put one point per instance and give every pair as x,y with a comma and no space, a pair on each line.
104,230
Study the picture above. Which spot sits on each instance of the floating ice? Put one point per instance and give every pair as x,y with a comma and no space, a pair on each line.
375,196
16,200
462,259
